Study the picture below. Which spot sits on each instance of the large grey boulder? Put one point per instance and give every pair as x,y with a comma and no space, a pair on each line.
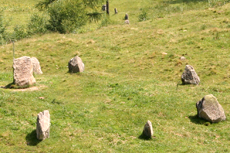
23,72
36,66
148,130
209,109
76,65
43,125
189,76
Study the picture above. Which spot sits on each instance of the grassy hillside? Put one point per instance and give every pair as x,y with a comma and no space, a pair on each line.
128,79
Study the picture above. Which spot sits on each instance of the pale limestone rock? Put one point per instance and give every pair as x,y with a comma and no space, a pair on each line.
36,66
76,65
209,109
23,71
190,76
43,125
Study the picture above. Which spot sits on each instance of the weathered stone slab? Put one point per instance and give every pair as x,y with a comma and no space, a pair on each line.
209,109
190,76
23,71
148,130
43,125
36,66
76,65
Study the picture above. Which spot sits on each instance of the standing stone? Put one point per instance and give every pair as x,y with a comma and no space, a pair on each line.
36,66
209,109
115,10
107,7
126,16
189,76
76,65
43,125
103,8
23,71
148,130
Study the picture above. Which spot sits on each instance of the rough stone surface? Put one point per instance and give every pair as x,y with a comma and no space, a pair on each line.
23,71
43,125
148,130
189,76
209,109
76,65
36,66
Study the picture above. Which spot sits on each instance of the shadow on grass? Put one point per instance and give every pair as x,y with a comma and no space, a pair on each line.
144,137
195,119
9,86
31,139
13,86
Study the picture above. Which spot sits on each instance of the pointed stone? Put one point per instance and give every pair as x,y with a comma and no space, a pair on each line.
43,125
23,72
189,76
148,130
36,66
209,109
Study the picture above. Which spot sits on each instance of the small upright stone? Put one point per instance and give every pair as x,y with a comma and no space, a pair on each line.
76,65
103,8
43,125
126,16
189,76
36,66
148,130
23,72
115,10
209,109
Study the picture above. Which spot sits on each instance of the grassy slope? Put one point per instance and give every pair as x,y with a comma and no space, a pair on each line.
127,81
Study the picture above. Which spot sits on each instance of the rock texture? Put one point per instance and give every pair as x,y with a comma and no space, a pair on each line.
148,130
36,66
43,125
209,109
76,65
189,76
23,71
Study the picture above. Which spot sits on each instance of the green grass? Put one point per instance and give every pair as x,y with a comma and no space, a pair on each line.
127,81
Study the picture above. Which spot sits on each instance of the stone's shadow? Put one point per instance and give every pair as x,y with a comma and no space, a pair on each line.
13,86
144,137
8,86
195,119
31,139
